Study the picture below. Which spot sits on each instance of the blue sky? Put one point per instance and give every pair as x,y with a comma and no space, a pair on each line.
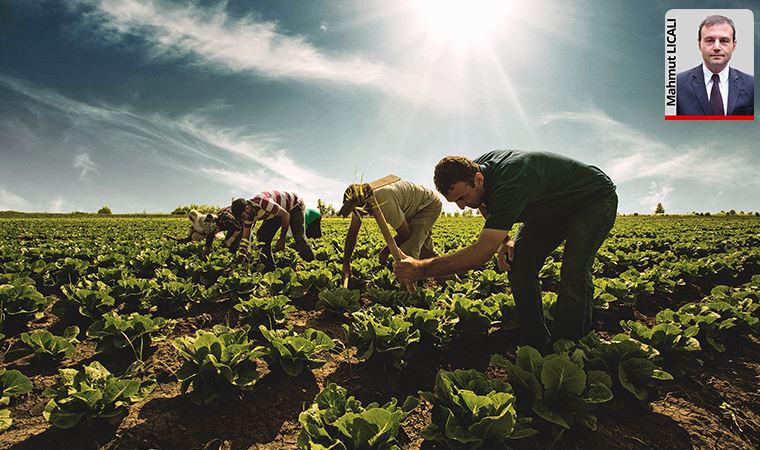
147,105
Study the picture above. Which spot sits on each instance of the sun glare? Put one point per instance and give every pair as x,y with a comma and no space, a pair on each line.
462,22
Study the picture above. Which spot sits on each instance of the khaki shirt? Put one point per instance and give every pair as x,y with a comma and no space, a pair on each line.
402,200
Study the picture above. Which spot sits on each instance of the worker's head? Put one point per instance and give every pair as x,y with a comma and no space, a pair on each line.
237,208
226,222
460,180
355,199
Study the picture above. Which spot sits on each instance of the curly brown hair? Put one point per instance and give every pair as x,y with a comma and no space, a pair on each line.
453,169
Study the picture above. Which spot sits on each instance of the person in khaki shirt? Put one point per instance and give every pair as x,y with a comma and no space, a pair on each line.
410,209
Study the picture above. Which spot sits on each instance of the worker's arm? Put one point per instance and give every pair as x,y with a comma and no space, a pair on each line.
409,270
348,248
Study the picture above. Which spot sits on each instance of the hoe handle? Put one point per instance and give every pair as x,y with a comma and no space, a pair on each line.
383,225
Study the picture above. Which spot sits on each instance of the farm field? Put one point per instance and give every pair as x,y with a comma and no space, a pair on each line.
115,337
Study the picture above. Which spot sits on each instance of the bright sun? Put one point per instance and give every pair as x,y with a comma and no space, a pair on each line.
462,23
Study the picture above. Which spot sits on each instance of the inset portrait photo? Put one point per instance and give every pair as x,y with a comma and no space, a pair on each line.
709,64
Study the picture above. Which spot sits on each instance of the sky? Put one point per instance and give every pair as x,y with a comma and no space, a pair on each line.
151,104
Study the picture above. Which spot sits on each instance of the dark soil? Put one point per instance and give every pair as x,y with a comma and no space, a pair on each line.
717,406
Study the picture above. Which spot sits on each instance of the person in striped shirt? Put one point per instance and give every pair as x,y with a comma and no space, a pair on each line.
206,227
276,210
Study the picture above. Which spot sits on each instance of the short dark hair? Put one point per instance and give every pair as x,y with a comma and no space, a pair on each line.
715,20
453,169
237,207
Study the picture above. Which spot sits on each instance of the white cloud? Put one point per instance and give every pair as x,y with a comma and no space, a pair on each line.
248,184
634,155
83,161
658,193
12,202
60,205
219,41
323,26
190,143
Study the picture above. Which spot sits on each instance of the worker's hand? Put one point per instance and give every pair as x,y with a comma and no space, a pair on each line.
280,246
383,255
505,255
408,270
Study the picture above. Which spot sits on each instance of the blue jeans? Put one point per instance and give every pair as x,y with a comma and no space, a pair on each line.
583,234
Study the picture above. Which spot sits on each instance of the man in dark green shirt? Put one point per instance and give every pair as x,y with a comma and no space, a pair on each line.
557,199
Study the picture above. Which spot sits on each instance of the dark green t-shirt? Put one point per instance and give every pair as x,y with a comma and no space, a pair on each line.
310,215
537,187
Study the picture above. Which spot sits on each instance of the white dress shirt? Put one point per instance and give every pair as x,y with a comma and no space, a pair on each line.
723,86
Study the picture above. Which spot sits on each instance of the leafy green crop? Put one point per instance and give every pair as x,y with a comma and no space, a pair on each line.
134,332
172,297
296,351
338,300
269,311
89,303
93,394
556,387
436,325
19,296
475,316
47,345
338,422
378,332
472,411
12,382
216,361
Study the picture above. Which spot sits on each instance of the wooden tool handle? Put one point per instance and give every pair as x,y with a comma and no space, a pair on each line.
383,225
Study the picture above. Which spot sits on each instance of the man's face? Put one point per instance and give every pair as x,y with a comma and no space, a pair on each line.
717,44
466,195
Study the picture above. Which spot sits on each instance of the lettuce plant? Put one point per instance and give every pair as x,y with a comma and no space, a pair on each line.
472,411
172,297
47,345
675,344
629,363
89,303
475,316
317,280
19,296
136,332
338,300
556,388
436,325
93,394
377,331
12,382
129,291
216,361
336,421
269,311
283,281
296,351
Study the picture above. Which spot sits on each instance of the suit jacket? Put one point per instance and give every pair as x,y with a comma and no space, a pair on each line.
691,93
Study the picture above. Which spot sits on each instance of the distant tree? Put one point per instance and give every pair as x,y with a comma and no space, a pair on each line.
326,209
757,214
204,209
707,214
635,214
467,213
732,212
659,209
104,210
456,214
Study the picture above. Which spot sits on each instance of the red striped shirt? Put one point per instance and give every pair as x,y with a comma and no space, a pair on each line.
265,202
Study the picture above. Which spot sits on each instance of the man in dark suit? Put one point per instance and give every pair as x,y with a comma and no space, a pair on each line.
713,88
